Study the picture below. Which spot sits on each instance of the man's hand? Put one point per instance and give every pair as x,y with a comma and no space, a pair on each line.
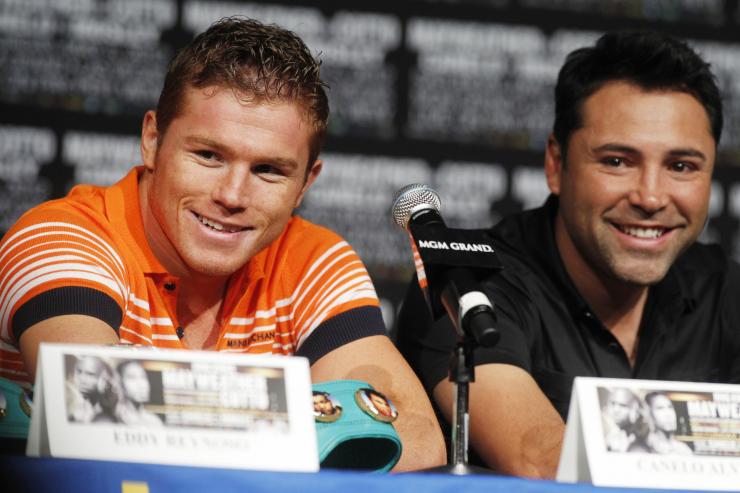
513,426
376,361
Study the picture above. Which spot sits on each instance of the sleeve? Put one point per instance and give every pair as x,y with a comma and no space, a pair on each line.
335,302
731,324
428,344
58,261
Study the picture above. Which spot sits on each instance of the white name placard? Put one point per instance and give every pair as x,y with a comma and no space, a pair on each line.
653,434
197,408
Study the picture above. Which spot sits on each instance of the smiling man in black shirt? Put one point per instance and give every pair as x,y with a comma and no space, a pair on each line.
606,278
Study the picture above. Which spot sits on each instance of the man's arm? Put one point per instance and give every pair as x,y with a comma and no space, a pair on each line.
375,360
513,426
72,329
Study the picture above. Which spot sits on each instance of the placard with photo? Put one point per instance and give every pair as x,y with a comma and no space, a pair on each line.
655,434
177,407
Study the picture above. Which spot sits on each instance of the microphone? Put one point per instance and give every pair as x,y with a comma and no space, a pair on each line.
447,261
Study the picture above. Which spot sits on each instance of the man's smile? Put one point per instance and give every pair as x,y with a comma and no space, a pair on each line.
217,226
642,232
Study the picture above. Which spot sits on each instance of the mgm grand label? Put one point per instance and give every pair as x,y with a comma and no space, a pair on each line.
457,246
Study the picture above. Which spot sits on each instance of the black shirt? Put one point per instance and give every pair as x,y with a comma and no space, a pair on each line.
690,329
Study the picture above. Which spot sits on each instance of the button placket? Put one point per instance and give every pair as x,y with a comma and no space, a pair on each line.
170,296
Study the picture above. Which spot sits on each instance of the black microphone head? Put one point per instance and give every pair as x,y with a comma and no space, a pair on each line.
411,199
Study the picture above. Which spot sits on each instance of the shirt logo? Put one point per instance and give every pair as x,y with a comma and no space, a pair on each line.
253,339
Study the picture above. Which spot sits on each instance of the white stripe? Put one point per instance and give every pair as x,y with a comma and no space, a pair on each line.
344,298
139,319
259,314
318,315
289,300
9,241
57,264
18,293
129,331
316,278
234,335
339,282
66,242
20,373
284,302
8,347
266,343
287,347
139,302
24,265
165,337
263,314
246,335
3,296
162,321
318,262
299,293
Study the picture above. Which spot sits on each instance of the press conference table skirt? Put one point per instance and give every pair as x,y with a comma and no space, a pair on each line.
25,474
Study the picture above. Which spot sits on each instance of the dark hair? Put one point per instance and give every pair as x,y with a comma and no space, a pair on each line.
261,62
374,392
652,61
651,396
121,367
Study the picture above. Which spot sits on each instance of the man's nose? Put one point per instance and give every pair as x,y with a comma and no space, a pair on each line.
231,189
649,192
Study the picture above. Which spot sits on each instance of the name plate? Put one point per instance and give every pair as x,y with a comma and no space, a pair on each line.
654,434
197,408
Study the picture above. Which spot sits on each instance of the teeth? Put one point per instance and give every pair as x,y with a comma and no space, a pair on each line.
215,225
650,233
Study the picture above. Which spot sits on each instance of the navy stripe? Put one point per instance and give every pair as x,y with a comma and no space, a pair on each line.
342,329
68,300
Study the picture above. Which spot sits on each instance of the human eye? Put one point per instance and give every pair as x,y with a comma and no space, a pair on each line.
208,157
614,161
268,170
683,167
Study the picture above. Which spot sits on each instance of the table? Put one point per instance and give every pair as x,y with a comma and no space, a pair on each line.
26,474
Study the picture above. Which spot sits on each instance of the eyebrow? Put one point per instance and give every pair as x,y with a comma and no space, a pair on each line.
280,161
680,152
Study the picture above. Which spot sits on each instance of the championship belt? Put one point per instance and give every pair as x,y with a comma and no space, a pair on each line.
15,416
353,426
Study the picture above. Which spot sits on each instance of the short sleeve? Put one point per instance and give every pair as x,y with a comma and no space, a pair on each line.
428,344
58,260
334,300
731,324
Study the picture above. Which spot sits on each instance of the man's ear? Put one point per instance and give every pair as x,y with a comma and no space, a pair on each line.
553,164
310,178
149,140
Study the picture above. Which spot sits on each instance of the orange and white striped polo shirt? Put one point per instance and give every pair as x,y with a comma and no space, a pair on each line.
307,293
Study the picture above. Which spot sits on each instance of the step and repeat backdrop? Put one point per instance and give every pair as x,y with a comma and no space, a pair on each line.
453,93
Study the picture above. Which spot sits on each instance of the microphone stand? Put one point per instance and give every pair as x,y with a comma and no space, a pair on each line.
471,312
462,373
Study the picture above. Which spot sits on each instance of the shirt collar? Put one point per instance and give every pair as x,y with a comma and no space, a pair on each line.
124,212
536,231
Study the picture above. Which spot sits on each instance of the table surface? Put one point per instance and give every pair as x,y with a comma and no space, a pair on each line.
26,474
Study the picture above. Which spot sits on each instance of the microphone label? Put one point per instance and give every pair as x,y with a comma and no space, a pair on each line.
463,247
449,247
